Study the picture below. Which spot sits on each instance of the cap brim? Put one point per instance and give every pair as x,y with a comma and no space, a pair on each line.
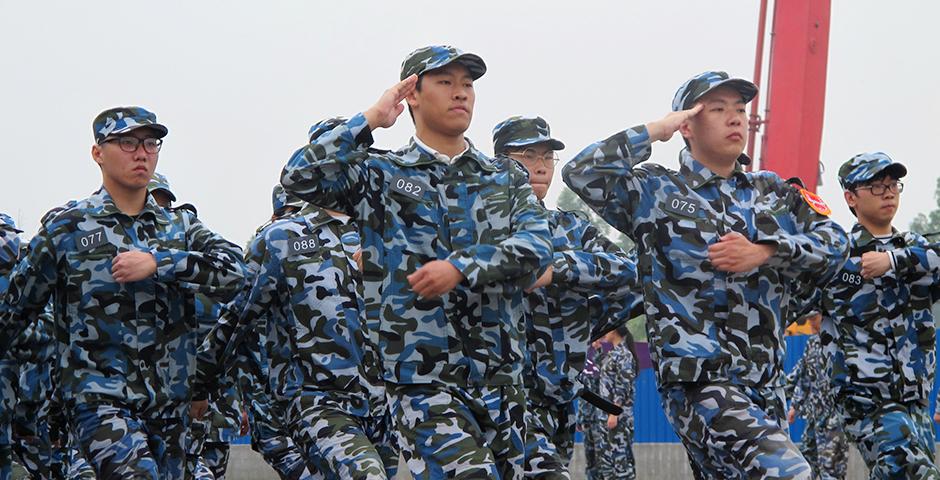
746,88
160,129
896,170
474,64
552,143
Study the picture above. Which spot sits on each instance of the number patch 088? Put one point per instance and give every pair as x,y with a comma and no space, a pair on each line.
301,245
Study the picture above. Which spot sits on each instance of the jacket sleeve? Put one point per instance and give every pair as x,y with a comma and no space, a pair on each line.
523,255
603,175
595,263
213,265
330,170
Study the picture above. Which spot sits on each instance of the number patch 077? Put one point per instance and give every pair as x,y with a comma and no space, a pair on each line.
85,241
409,187
301,245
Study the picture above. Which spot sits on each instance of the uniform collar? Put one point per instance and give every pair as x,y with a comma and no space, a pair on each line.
316,217
699,175
862,237
102,205
415,153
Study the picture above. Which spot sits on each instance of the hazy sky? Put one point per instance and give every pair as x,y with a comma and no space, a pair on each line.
238,83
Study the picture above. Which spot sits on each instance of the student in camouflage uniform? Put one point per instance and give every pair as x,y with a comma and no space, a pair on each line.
878,328
450,237
592,421
337,410
558,316
121,270
9,252
719,248
810,392
617,377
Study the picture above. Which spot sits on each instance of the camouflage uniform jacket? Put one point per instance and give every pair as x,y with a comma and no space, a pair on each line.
707,325
880,333
478,213
130,343
809,388
304,264
616,377
226,402
559,320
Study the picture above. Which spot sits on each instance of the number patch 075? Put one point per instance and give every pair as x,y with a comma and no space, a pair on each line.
85,241
409,187
301,245
681,206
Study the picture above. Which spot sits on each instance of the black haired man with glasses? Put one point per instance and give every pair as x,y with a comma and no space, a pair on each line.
559,321
122,271
878,329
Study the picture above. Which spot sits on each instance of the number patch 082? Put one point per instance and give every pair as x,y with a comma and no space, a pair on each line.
409,187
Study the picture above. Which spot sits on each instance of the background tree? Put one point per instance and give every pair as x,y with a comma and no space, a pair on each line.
929,223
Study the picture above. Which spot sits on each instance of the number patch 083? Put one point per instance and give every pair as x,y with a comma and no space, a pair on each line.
851,278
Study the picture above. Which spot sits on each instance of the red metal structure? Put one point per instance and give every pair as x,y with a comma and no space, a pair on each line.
796,91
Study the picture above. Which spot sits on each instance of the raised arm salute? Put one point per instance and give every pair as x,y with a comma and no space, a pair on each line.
450,238
717,250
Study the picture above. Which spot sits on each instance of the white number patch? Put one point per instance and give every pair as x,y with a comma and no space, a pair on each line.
409,187
301,245
85,241
851,278
681,206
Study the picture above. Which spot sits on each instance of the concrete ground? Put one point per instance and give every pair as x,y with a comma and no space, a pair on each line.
654,461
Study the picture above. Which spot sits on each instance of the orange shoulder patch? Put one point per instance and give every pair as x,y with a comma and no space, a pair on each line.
815,202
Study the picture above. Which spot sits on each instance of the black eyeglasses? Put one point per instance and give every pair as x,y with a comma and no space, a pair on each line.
549,158
879,189
130,144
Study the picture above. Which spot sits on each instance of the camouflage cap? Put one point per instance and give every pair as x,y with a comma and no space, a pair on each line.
159,182
324,126
518,131
699,85
865,166
424,59
280,199
118,120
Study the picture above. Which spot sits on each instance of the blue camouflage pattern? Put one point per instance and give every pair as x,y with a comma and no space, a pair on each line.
478,213
433,57
118,120
865,166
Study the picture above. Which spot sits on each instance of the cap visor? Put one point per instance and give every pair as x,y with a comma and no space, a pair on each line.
473,63
896,170
156,127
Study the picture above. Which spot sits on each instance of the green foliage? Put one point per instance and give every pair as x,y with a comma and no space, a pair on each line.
568,201
930,222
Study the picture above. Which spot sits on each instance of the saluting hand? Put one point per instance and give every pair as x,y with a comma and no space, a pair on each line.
875,264
663,129
387,109
133,266
735,253
435,278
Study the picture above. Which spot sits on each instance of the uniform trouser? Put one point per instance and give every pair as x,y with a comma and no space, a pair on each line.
36,453
207,451
734,431
826,447
895,440
549,440
594,430
278,449
615,460
462,433
9,373
343,446
121,444
76,465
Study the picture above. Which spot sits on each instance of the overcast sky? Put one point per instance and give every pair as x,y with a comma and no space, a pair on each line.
238,83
